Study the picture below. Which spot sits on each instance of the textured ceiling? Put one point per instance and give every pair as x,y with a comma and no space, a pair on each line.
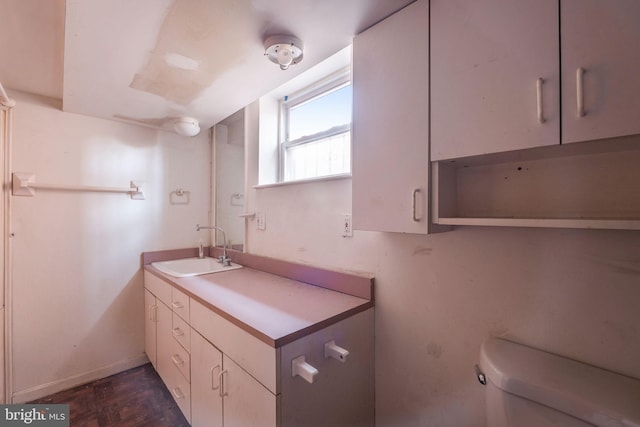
146,61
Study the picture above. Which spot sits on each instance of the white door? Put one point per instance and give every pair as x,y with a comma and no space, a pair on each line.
601,38
247,403
390,159
206,366
494,76
150,327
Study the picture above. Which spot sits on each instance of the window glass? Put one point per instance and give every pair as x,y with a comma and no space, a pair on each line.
317,131
320,113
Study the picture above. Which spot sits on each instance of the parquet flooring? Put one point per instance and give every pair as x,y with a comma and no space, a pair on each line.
132,398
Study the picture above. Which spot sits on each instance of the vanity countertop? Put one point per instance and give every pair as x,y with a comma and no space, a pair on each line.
274,308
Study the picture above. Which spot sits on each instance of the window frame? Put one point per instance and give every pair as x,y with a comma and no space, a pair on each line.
324,86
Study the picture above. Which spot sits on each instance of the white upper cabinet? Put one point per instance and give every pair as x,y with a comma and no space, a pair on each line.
601,47
494,76
390,161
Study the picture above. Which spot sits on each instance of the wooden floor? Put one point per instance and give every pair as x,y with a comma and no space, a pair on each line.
136,397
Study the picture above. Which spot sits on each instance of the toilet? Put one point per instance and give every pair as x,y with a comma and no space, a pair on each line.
526,387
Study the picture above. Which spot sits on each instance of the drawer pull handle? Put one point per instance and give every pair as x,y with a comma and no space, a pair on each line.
300,367
177,332
177,360
177,393
177,304
213,369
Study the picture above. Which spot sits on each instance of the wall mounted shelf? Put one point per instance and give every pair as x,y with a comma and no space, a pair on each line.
582,185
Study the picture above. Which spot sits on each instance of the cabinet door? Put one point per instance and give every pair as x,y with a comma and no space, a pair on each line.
390,160
601,37
164,343
247,403
150,327
487,57
206,366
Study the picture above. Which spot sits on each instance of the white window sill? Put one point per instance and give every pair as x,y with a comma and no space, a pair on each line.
304,181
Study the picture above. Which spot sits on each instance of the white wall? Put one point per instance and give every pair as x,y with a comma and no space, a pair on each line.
77,305
573,292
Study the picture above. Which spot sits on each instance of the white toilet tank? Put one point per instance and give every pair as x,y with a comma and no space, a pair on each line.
532,388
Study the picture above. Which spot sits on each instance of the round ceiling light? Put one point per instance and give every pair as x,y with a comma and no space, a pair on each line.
283,50
186,126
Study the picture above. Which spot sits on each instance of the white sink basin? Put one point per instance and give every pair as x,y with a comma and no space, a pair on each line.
192,266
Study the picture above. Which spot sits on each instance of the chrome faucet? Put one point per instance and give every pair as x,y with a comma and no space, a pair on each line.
224,259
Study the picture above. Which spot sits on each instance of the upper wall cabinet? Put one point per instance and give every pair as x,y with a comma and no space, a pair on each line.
390,160
600,63
494,76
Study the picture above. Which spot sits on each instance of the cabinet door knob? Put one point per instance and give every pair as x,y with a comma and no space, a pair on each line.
177,332
177,304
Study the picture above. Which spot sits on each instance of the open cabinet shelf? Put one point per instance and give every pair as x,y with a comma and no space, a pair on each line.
583,185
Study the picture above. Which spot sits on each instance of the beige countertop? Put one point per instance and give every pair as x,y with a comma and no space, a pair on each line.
273,308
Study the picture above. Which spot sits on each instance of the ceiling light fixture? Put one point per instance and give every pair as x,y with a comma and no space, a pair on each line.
283,50
186,126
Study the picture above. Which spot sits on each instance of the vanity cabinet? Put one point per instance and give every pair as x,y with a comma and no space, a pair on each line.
494,76
390,129
221,374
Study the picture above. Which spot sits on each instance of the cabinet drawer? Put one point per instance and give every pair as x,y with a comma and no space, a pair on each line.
180,303
181,360
181,332
158,287
253,355
180,389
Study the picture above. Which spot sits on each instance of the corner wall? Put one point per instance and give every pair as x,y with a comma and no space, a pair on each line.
77,292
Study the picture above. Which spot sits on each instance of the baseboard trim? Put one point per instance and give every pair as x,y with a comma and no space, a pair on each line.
43,390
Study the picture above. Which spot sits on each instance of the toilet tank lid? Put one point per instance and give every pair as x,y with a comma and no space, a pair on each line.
592,394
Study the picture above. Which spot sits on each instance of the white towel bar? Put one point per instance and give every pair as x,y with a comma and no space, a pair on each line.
24,184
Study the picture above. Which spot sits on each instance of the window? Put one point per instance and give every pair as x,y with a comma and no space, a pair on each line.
316,130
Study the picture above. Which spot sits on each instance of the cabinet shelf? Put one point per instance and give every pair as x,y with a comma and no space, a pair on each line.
584,185
610,224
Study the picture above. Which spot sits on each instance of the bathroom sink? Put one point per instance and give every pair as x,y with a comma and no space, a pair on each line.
192,266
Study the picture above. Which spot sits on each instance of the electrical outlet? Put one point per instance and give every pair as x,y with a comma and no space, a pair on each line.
261,221
347,231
